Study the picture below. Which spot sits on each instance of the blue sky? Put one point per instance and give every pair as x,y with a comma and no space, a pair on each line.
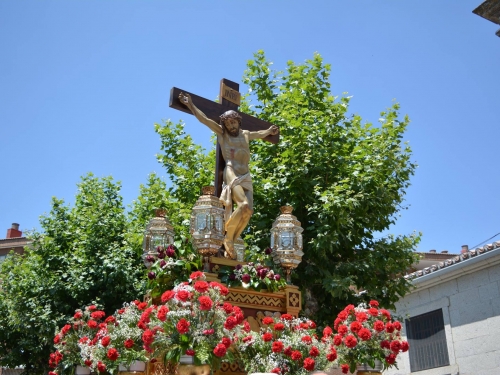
83,82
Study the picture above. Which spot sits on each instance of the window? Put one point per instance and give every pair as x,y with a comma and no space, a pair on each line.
427,341
2,257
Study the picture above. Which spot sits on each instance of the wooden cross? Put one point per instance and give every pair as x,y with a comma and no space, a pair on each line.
229,99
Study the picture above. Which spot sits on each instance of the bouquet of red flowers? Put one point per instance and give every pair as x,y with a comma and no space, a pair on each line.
194,321
285,345
365,334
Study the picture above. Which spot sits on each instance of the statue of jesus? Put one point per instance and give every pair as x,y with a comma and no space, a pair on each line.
237,183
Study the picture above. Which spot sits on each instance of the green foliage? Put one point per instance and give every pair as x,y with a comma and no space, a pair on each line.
82,255
188,168
346,180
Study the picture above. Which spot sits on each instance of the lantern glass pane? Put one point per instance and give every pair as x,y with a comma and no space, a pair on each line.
218,223
201,221
287,239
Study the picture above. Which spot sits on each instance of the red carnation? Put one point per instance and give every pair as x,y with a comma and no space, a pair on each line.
276,370
83,340
190,352
105,341
230,323
404,346
345,368
395,346
57,339
247,328
373,311
92,324
397,325
97,315
197,275
247,338
183,326
332,356
336,323
162,313
92,307
267,320
183,295
129,343
110,319
312,325
148,337
364,334
167,296
101,366
201,286
378,326
286,317
267,337
277,347
220,350
385,344
389,327
222,289
78,315
279,326
309,364
373,303
288,351
113,354
52,373
205,303
391,358
226,341
386,313
350,341
304,325
349,308
342,330
142,305
228,308
314,352
306,339
88,362
65,329
337,340
327,331
355,326
296,355
361,317
342,315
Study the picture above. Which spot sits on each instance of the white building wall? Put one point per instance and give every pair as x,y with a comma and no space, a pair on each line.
469,295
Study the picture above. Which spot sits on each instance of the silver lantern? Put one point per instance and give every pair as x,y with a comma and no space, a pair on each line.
207,225
286,241
158,235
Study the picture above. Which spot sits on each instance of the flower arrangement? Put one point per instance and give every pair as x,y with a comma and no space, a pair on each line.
253,275
169,267
284,346
365,334
194,321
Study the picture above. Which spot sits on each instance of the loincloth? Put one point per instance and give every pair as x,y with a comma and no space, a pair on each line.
226,197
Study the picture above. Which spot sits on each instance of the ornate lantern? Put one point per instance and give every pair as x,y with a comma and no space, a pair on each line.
207,225
158,235
286,241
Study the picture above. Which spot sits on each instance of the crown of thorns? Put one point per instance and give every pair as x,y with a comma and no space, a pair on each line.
230,114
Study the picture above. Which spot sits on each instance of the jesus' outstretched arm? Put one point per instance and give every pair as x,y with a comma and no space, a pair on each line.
188,102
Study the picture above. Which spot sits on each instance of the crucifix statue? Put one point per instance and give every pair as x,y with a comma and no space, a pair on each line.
234,131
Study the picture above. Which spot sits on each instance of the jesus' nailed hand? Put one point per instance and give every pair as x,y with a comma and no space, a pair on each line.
237,183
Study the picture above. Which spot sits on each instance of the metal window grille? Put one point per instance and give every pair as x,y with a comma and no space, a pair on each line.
427,341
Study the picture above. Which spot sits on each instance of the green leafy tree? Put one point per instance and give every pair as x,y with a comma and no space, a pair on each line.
345,178
80,256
